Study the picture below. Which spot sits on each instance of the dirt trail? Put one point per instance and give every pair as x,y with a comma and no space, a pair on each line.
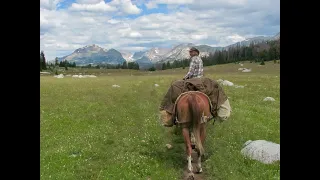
194,162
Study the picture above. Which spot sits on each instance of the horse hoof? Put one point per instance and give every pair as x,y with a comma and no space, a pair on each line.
198,170
191,176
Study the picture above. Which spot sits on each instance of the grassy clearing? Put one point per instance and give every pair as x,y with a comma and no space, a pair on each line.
90,130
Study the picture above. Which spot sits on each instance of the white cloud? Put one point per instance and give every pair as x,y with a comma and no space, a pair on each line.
62,31
101,6
151,5
113,21
49,4
236,38
171,4
89,1
134,48
126,6
115,2
88,20
199,36
174,1
134,34
152,26
129,8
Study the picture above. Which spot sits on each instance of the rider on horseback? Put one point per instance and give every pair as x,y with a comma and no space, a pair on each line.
194,81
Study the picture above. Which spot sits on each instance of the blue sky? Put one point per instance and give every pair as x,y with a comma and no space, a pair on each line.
162,8
135,25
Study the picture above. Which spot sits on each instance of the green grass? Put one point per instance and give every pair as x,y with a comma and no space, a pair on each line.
90,130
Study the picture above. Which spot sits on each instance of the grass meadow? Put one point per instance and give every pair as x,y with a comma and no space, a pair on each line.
90,130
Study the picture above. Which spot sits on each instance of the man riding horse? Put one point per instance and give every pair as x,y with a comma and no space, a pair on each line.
194,81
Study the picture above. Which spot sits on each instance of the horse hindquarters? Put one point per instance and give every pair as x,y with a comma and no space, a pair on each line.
195,110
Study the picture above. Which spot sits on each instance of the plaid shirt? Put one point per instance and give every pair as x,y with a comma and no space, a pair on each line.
195,69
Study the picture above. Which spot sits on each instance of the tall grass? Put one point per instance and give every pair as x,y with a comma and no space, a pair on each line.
90,130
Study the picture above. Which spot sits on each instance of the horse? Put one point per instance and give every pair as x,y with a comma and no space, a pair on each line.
192,113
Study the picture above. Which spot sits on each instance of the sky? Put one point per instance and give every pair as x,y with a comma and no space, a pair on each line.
138,25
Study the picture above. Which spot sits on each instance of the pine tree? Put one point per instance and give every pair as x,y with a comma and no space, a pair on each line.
164,66
40,64
124,65
66,65
44,64
168,65
56,61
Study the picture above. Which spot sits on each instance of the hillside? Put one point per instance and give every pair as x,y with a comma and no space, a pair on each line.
94,54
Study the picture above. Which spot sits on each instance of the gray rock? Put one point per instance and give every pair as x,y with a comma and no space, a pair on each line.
264,151
269,99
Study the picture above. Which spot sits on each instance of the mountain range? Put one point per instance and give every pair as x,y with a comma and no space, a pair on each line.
94,54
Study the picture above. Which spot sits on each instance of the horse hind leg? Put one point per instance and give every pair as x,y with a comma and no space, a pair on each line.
187,140
202,137
199,164
190,168
199,159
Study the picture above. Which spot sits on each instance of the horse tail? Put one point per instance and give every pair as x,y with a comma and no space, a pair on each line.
196,121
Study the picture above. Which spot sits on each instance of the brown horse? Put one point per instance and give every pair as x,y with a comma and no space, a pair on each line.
193,111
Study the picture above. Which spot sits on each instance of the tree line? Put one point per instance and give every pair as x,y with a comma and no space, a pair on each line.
264,51
259,52
44,65
124,65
